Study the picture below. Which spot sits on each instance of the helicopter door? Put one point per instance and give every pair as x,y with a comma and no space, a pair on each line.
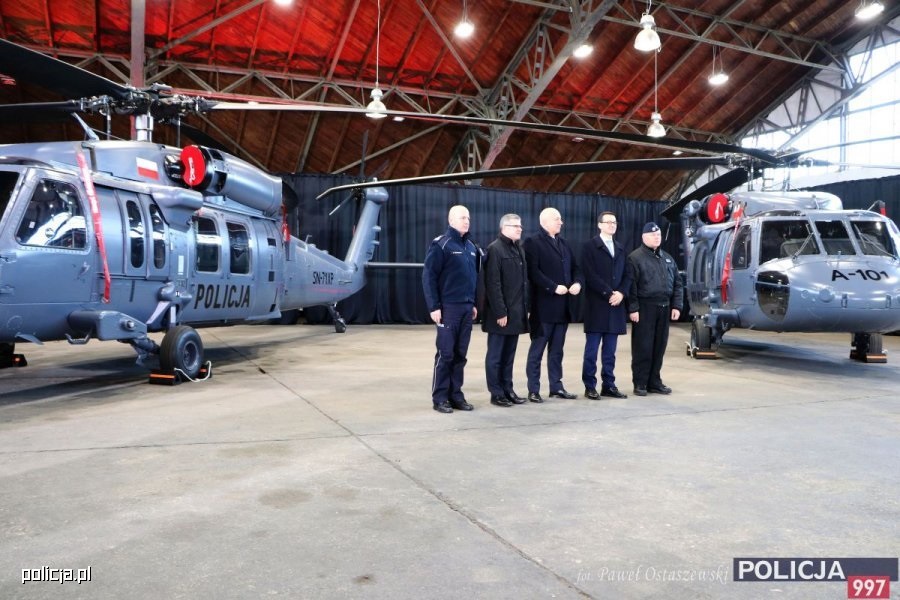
53,257
271,265
741,285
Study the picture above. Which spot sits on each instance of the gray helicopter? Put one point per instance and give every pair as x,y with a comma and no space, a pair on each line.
115,240
789,261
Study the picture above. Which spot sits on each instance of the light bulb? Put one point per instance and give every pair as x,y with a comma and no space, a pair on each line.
464,29
583,51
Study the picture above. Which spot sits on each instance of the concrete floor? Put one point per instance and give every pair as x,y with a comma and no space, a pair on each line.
312,466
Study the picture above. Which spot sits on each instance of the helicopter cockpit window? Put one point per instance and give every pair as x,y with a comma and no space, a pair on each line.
835,238
741,255
786,238
54,218
874,238
135,233
159,237
7,185
208,244
239,242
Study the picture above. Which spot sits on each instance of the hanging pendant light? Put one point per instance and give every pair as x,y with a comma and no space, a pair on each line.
868,9
376,108
717,76
656,128
464,28
647,39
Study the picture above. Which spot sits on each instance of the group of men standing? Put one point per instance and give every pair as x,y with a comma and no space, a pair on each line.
527,288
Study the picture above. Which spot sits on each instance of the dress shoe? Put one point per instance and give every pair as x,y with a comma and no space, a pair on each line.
659,389
561,393
612,392
591,394
535,397
443,407
514,398
500,401
461,405
640,390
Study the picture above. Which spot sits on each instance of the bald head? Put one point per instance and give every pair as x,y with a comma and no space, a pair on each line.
551,221
459,219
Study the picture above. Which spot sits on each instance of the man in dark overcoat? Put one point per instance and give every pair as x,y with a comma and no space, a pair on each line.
505,314
555,276
606,281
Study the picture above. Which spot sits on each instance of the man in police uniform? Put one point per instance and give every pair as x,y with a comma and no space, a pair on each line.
449,280
655,297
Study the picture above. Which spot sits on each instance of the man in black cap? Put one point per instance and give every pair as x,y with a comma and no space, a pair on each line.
655,297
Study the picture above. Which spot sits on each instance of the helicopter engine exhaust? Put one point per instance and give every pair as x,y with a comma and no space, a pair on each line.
218,174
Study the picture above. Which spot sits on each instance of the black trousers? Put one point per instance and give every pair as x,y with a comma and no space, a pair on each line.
649,337
498,364
553,338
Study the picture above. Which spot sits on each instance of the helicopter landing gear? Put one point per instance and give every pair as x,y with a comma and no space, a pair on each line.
8,357
702,340
180,357
340,326
867,347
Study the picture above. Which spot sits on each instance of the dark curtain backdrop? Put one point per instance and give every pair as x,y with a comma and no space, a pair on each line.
415,215
861,194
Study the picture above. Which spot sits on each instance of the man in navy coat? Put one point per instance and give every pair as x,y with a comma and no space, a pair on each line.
607,280
554,275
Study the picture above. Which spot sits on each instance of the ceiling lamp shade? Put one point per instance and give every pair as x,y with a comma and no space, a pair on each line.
464,29
718,78
656,128
583,51
868,10
647,39
376,108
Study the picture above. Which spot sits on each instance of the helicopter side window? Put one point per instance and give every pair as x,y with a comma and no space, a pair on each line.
239,242
54,218
159,237
208,244
835,238
8,182
874,238
135,233
741,255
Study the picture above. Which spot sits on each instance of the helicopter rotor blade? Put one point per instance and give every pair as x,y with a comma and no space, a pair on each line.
612,136
55,75
39,111
641,164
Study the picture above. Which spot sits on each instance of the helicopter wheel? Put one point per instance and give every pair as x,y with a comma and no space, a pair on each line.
182,350
701,341
868,347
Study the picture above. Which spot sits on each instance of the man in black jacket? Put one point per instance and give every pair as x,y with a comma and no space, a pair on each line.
655,297
554,276
449,280
505,314
606,281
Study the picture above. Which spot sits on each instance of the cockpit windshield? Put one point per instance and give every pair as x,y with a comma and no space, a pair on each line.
873,238
833,237
786,238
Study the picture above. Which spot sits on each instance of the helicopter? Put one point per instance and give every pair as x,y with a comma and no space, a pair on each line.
115,240
788,262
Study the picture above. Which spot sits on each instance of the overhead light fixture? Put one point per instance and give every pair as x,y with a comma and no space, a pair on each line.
464,28
677,153
717,76
869,9
647,39
284,2
656,128
376,108
583,51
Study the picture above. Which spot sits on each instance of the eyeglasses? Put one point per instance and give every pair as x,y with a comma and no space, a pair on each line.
513,226
609,223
